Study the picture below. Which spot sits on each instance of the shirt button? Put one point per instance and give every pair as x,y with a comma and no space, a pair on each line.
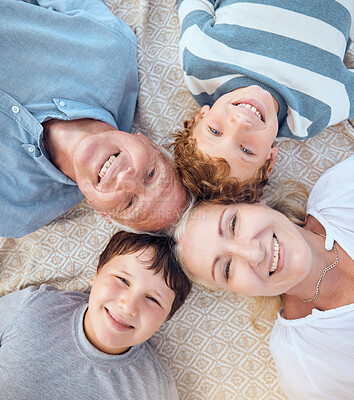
62,103
15,109
31,149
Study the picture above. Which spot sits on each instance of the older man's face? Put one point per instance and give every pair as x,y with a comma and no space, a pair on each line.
127,177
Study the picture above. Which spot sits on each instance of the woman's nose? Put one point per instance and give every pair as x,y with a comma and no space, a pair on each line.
249,251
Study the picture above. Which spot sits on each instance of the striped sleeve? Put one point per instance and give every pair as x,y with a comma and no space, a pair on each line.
240,43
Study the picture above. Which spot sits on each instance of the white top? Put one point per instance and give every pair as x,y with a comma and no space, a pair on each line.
315,355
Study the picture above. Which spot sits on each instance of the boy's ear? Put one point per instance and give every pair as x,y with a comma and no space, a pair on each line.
273,156
201,113
92,280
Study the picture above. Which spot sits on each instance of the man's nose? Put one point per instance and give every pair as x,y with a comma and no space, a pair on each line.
128,181
249,251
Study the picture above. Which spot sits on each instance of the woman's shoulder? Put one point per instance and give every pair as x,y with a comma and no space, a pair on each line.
331,202
334,181
314,355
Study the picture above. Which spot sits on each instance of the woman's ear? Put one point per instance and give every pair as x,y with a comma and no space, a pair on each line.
272,156
202,113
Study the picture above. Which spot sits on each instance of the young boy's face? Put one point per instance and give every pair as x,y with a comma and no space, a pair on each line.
127,304
240,127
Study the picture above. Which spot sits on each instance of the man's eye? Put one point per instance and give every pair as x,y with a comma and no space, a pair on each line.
151,175
246,151
152,299
233,223
227,271
214,131
123,280
129,204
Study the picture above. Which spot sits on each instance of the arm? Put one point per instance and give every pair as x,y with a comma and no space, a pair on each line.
96,8
196,18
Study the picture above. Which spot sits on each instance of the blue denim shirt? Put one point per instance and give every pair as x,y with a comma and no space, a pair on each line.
59,59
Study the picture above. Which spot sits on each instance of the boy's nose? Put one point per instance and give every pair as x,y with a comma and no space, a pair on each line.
129,304
239,124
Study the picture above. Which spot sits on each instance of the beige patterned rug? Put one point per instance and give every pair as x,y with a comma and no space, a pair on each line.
213,351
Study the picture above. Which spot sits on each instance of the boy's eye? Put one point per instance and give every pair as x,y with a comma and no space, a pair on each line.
214,131
247,151
152,299
123,280
227,271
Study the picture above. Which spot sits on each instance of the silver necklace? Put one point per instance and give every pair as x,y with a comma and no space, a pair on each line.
323,272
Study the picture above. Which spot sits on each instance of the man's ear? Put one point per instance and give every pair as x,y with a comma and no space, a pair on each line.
104,214
273,156
201,113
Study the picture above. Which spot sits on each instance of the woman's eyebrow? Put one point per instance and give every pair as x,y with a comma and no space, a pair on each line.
217,258
221,232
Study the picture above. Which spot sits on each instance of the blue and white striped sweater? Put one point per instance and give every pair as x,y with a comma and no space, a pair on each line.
293,48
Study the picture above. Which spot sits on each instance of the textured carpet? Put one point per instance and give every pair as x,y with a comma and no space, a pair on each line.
213,351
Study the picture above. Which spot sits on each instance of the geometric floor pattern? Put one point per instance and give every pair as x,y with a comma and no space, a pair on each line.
211,347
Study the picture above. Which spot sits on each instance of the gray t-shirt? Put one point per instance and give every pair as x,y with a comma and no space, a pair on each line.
44,354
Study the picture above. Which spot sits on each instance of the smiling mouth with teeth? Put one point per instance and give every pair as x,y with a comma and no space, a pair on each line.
274,266
106,165
252,108
119,322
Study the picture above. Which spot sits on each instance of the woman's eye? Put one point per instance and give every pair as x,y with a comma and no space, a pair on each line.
227,271
151,175
129,204
233,224
152,299
214,131
123,280
247,151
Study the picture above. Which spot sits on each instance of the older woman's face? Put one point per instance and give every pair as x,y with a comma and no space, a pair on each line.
249,249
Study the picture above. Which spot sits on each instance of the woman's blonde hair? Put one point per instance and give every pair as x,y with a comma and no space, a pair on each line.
289,198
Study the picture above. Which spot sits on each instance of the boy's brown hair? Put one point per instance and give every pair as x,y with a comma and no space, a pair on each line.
207,178
164,259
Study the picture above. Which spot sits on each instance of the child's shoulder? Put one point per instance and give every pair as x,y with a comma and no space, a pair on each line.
156,360
48,294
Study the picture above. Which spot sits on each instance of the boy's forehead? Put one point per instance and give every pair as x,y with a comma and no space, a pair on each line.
143,258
